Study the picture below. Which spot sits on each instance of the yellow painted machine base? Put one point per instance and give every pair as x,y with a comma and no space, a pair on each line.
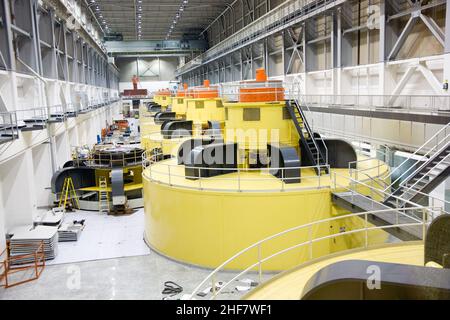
188,222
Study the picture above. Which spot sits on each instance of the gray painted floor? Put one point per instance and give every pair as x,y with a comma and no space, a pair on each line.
140,277
112,261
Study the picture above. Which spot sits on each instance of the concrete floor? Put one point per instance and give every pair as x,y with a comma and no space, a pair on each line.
139,277
111,261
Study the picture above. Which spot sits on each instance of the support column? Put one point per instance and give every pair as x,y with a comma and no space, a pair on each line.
2,221
447,44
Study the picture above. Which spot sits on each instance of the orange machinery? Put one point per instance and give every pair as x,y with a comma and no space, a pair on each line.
253,91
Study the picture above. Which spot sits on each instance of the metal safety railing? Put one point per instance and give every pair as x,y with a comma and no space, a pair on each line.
286,14
395,103
59,110
374,195
36,115
411,190
240,180
356,170
235,92
307,245
371,188
347,134
293,92
9,129
110,159
422,154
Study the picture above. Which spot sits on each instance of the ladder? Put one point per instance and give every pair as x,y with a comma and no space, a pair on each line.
68,194
103,196
307,137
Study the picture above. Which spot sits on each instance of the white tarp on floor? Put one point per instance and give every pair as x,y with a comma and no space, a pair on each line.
104,237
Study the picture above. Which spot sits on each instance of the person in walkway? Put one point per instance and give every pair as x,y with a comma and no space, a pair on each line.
135,81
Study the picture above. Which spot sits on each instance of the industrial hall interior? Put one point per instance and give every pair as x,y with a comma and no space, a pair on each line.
224,150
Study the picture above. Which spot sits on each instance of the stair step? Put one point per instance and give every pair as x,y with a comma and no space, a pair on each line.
420,177
419,181
392,201
10,135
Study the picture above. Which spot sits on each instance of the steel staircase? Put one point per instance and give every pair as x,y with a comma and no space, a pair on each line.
422,176
427,177
310,142
418,175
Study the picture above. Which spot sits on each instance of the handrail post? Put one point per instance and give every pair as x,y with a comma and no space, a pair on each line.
320,185
239,178
35,264
260,263
424,219
366,231
335,182
213,285
310,243
170,179
371,196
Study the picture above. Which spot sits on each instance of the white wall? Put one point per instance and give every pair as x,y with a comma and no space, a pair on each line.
26,170
2,221
42,174
151,86
18,191
403,135
148,69
154,73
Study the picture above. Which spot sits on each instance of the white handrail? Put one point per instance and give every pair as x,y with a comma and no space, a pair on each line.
427,212
423,176
354,183
426,162
420,149
427,103
150,160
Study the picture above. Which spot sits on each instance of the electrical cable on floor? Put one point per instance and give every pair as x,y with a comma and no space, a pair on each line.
171,289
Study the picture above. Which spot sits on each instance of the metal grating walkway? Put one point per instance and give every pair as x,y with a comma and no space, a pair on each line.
357,203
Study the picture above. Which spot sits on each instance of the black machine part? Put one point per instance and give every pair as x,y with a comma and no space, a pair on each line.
186,147
340,153
211,160
176,129
373,280
437,242
160,117
285,163
74,163
214,129
82,177
117,187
